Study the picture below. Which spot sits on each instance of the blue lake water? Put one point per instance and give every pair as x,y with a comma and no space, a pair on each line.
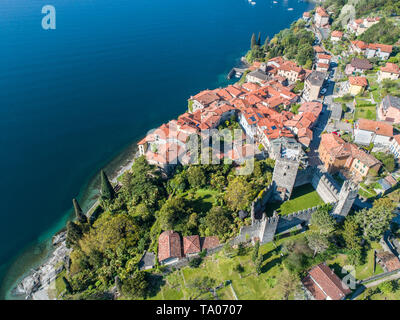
74,98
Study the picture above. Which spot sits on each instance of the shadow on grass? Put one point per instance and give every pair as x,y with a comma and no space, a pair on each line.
155,283
269,265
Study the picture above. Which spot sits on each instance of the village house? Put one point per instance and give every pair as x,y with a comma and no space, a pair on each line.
169,247
203,100
389,109
358,65
336,154
322,283
390,71
257,76
291,71
313,85
388,261
171,250
359,26
395,146
369,131
356,85
323,61
371,50
336,36
321,18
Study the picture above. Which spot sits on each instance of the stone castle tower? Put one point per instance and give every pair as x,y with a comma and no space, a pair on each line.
347,196
284,177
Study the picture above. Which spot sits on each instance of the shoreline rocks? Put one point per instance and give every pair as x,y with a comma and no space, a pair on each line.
35,286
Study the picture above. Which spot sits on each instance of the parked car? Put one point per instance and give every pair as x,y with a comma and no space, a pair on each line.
323,91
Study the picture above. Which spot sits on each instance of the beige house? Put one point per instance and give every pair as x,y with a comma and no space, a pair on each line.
321,17
390,71
357,85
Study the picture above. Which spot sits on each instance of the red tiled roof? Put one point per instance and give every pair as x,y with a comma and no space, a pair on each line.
321,12
337,34
209,242
358,81
324,56
380,128
391,68
328,283
191,244
169,245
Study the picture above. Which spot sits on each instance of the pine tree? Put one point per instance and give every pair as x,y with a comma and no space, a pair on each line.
259,39
253,41
78,212
68,288
107,191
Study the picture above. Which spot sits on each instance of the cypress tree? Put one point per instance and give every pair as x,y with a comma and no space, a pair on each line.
253,41
74,234
107,190
78,212
266,43
259,39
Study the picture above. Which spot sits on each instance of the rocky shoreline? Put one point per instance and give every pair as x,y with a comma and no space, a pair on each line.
36,285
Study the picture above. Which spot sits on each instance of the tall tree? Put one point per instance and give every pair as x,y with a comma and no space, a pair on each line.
78,212
323,220
253,41
259,39
317,242
107,190
375,221
266,43
74,234
350,233
288,283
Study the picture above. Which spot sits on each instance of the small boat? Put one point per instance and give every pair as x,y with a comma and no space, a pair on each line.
290,9
274,1
252,3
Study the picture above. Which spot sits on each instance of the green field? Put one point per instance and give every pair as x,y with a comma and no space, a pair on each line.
203,200
303,197
365,113
247,285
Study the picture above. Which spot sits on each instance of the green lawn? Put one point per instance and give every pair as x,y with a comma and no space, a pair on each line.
247,285
203,200
363,271
303,197
365,113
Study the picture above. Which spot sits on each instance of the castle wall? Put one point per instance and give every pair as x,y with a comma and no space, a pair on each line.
304,176
325,188
285,173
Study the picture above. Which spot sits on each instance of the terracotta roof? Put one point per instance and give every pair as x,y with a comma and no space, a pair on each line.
324,283
359,44
380,128
318,49
306,14
321,12
358,81
383,47
391,68
209,242
206,97
323,66
337,34
324,56
397,138
191,244
169,245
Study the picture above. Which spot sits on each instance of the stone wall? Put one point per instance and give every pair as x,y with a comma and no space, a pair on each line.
259,204
325,187
304,176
